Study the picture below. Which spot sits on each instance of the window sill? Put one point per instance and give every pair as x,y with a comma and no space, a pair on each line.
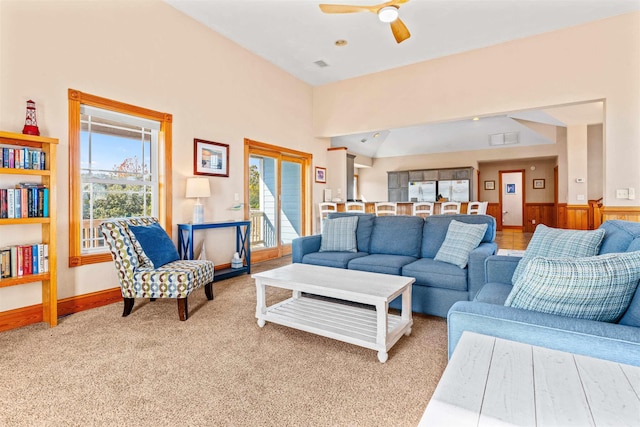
77,261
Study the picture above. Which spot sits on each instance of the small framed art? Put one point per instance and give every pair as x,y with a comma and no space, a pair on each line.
489,185
510,188
321,175
210,158
538,184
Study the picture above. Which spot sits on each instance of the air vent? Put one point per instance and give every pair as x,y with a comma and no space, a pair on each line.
321,63
508,138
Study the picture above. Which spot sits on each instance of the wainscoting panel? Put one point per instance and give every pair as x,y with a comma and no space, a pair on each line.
627,213
577,217
539,213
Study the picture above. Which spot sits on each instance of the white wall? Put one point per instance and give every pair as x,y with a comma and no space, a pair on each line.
595,162
577,164
148,54
595,61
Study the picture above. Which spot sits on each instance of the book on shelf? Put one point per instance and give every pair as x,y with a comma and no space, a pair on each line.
27,200
4,209
24,260
22,158
5,263
11,203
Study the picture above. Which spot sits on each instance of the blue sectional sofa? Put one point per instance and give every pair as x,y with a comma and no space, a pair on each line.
407,245
487,314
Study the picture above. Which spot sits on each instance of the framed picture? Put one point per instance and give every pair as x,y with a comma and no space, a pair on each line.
538,183
489,185
321,175
510,188
210,158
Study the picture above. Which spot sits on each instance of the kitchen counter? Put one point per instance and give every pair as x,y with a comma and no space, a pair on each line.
404,208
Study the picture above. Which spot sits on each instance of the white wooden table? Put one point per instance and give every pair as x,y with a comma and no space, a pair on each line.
375,329
495,382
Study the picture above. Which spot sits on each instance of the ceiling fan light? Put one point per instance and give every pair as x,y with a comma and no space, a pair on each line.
388,14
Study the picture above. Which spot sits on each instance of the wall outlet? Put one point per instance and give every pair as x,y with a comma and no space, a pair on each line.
632,193
533,221
580,197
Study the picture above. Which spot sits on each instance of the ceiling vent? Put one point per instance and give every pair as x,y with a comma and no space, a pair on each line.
321,63
507,138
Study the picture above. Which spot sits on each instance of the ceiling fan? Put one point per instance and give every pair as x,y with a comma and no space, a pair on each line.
387,12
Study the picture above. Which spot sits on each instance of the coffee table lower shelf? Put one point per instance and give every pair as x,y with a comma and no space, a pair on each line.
343,322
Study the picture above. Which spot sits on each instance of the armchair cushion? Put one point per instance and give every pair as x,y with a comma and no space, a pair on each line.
155,243
176,279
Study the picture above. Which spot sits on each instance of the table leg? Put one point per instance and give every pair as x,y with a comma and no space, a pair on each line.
382,310
261,305
406,308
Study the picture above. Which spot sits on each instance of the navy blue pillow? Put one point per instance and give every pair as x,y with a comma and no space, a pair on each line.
155,243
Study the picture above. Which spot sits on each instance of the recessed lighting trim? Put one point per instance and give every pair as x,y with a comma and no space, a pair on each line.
475,119
377,134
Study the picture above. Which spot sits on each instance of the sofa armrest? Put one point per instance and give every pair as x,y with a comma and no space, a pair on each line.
476,266
304,245
500,268
610,341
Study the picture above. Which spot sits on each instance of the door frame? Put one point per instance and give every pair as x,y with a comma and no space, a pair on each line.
280,153
524,194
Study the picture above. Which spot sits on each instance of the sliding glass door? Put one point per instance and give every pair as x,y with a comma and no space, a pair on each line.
291,207
277,183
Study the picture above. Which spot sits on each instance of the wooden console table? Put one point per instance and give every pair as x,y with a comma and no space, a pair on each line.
243,244
495,382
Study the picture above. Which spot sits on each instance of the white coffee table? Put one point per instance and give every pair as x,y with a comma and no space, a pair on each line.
496,382
375,329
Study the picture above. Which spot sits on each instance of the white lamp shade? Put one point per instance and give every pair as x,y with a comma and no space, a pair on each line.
198,187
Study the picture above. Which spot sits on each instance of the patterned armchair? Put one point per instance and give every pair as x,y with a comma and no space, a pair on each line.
139,279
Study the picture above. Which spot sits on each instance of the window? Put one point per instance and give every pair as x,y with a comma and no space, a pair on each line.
119,167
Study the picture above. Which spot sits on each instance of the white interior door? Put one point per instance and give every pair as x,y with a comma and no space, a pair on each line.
512,197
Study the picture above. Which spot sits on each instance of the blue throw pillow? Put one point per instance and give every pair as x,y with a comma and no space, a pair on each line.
595,288
155,243
559,243
461,239
339,235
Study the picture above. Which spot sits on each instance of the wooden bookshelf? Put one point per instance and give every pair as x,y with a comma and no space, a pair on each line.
48,224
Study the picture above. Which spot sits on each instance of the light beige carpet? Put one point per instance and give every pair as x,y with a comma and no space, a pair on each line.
217,368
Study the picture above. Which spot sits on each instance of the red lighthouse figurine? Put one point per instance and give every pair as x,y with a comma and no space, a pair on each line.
30,124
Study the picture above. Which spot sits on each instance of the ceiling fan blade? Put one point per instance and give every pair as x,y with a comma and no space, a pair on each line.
344,8
399,30
392,3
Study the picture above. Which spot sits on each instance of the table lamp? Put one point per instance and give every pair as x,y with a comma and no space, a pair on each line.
198,187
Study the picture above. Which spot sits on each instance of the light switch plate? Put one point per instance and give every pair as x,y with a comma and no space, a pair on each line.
622,193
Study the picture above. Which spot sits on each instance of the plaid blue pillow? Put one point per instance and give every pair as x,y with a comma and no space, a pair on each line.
595,288
559,243
460,240
339,235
